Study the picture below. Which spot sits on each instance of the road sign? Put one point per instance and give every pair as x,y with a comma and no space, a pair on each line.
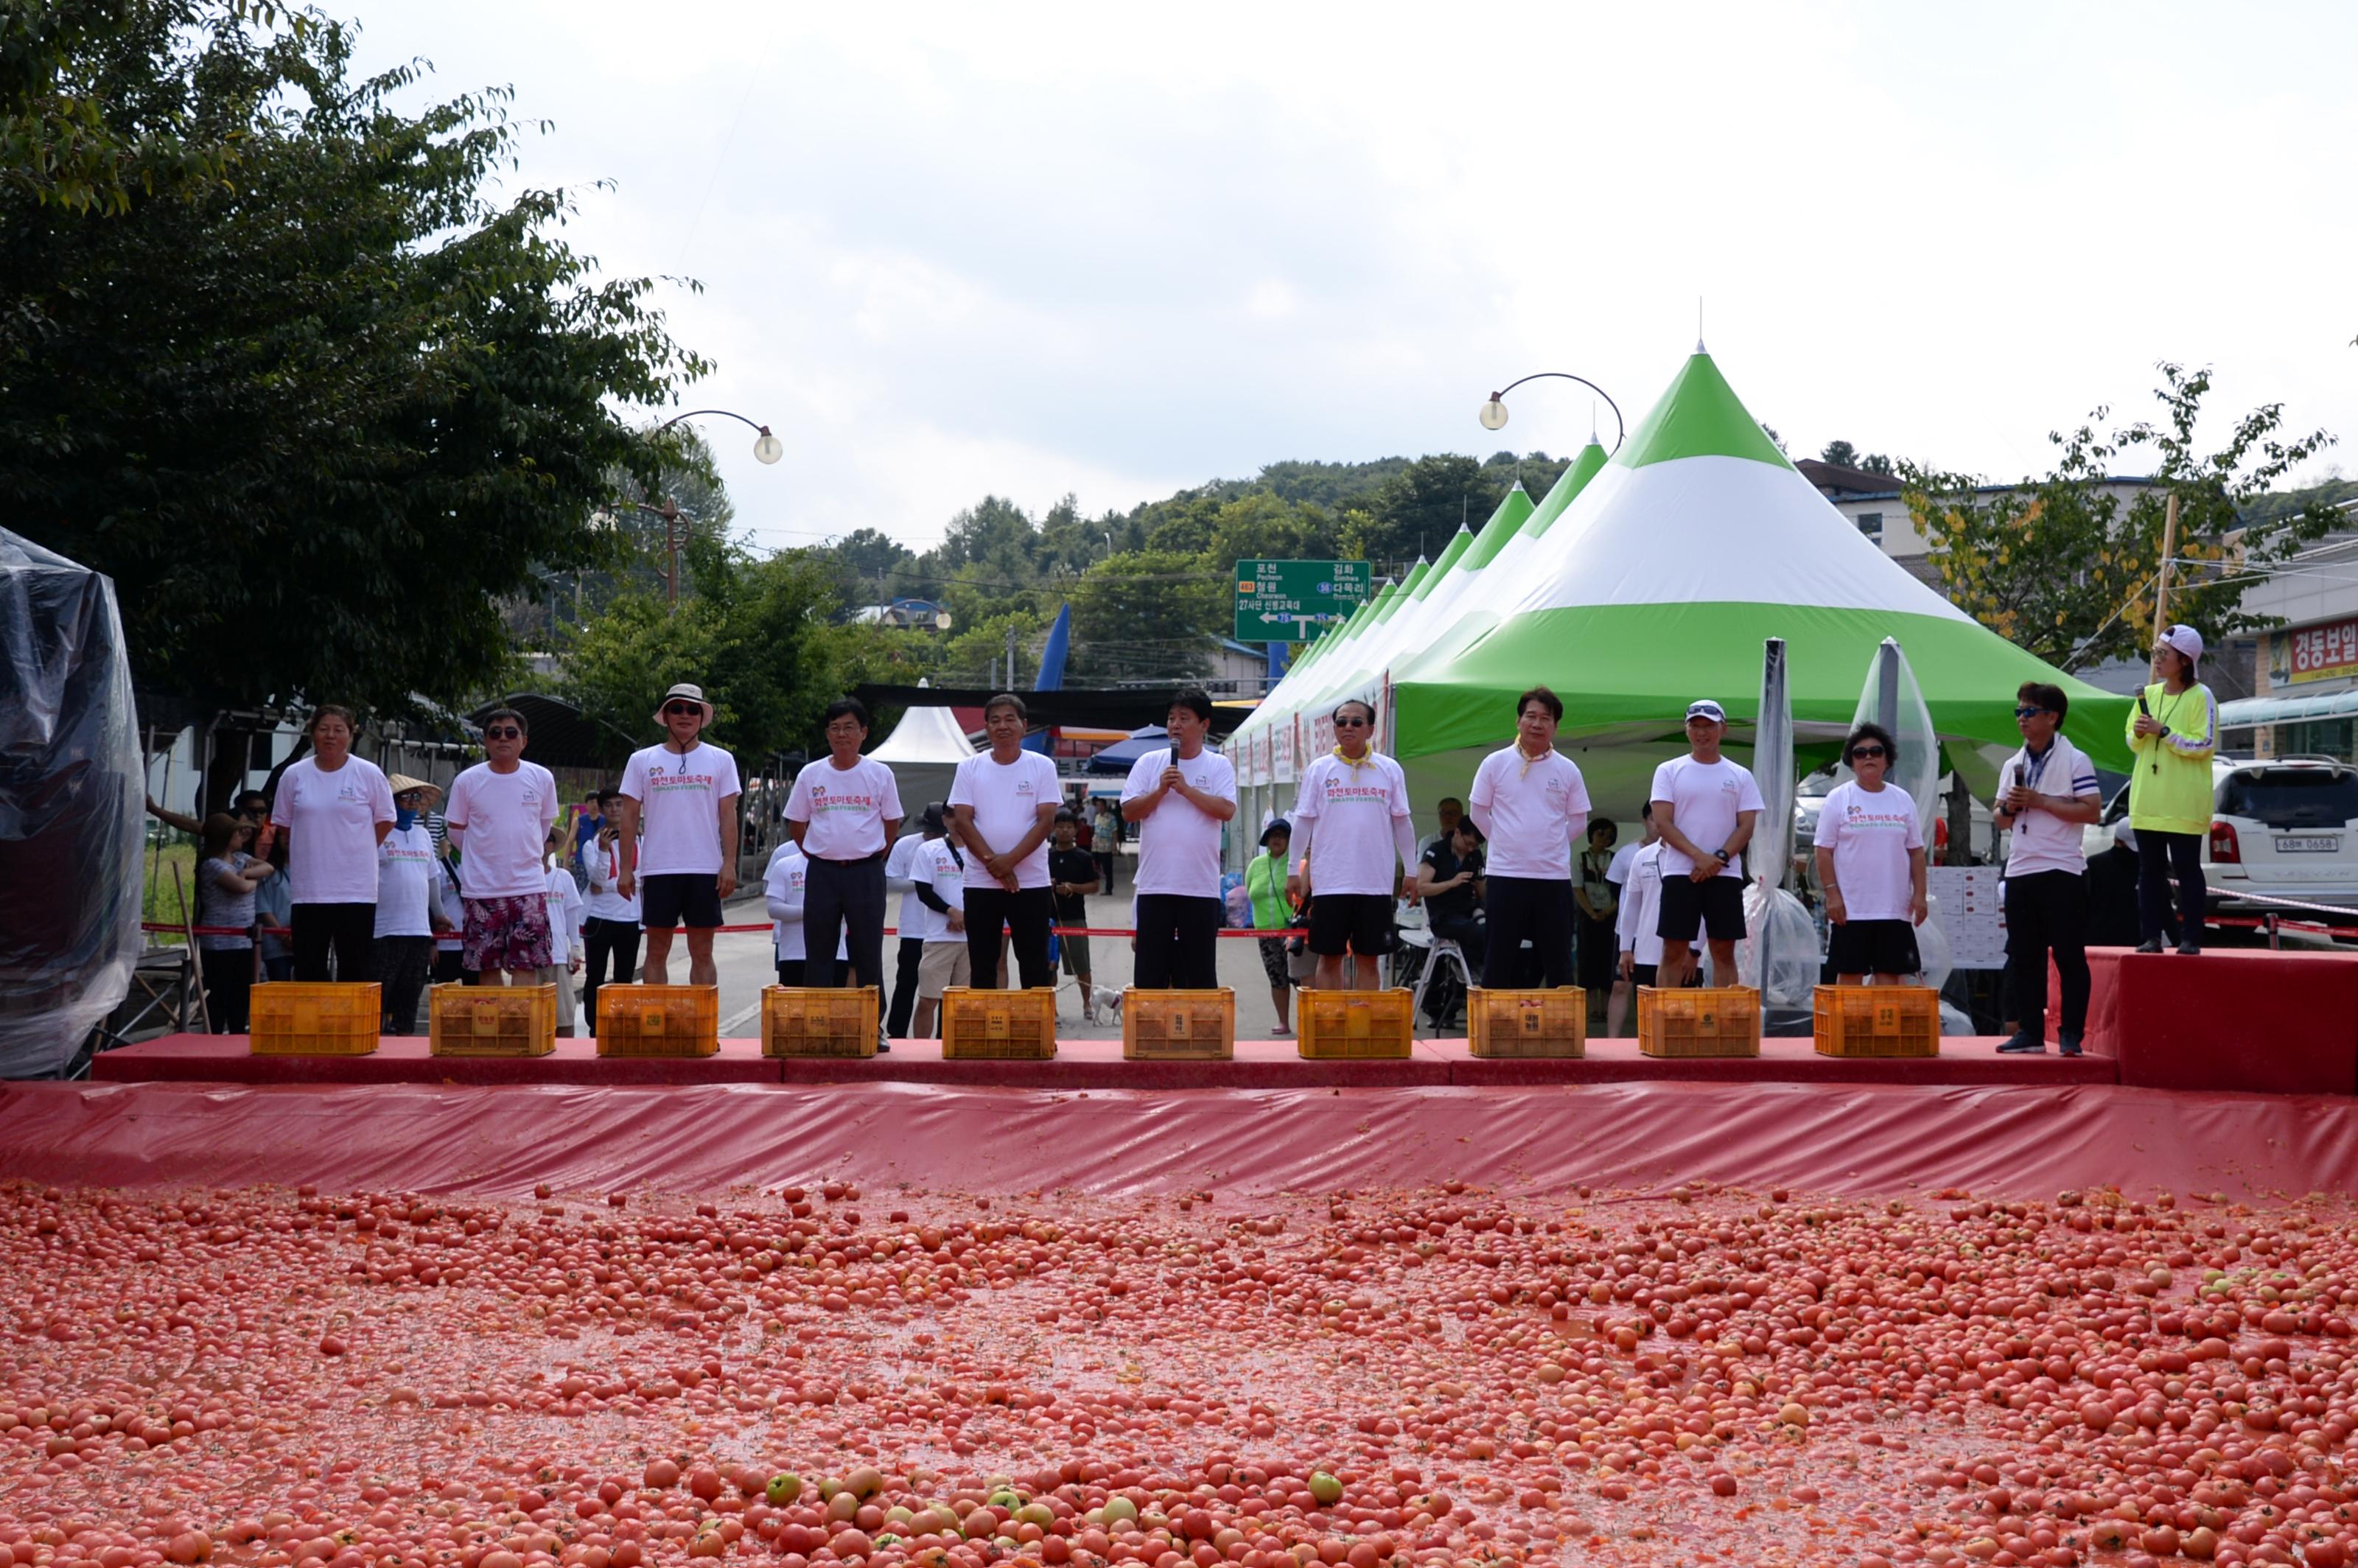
1292,601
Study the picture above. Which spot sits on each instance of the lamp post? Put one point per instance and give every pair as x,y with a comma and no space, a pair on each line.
1494,412
767,449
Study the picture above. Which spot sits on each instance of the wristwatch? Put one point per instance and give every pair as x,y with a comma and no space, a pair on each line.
1723,856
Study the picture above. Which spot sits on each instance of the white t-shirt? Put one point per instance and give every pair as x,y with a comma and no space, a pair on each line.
1705,800
506,818
1531,811
845,807
454,911
1179,845
564,915
1006,799
903,866
2043,841
939,864
783,884
406,877
679,796
332,818
1351,819
1617,874
1638,928
1870,836
604,866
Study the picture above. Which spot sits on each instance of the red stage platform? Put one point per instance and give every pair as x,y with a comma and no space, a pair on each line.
2236,1019
1081,1064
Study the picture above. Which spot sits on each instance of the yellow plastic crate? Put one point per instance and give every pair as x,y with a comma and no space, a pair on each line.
1528,1023
1706,1021
1876,1021
1367,1026
1178,1026
493,1020
658,1021
806,1020
1018,1024
316,1018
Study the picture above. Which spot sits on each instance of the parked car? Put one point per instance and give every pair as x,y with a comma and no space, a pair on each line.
2282,828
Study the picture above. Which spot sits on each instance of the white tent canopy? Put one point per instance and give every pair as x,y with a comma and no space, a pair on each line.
923,751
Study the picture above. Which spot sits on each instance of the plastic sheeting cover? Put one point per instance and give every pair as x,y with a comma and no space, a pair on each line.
1892,699
70,797
2028,1141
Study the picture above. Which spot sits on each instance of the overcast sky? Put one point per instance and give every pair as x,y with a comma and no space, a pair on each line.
1026,250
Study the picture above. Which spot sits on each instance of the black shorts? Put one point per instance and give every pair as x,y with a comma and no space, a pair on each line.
1873,947
1361,921
690,898
1714,909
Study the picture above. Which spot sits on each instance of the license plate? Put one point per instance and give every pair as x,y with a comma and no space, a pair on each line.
2327,844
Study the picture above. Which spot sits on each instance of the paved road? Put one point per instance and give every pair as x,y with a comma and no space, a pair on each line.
746,965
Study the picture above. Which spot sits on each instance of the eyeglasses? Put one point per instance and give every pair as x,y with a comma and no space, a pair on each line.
1857,752
2028,712
673,709
1350,724
504,732
844,727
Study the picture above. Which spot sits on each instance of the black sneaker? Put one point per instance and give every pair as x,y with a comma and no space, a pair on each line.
2023,1044
2150,945
2192,949
2068,1043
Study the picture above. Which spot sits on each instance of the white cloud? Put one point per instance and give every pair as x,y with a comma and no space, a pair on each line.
950,251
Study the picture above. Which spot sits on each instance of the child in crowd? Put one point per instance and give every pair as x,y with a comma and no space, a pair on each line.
565,907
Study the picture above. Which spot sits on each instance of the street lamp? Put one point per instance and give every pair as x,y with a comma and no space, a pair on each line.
767,449
1494,412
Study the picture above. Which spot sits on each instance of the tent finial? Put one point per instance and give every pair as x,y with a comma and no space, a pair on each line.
1699,348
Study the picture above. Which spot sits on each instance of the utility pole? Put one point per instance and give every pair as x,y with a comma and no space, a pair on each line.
1011,659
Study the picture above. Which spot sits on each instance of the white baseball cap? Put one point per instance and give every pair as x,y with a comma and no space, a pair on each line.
2186,641
1707,708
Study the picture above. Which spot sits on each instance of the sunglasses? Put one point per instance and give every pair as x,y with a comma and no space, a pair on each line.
1350,724
504,732
1857,752
2028,712
673,709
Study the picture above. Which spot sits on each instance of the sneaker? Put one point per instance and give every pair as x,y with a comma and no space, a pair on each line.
2067,1043
2023,1044
2192,949
2150,945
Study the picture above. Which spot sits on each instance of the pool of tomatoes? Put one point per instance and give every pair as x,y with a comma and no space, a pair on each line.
1373,1378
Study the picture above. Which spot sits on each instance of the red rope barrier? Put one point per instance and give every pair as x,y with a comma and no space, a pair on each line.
764,925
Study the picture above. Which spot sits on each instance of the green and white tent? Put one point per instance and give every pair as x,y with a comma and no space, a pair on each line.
1658,583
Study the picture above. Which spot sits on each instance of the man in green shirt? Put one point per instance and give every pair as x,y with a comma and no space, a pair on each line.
1265,885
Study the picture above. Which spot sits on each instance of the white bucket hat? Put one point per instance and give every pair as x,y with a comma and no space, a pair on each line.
684,692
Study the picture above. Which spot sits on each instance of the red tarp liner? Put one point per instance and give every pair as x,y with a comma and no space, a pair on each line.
500,1141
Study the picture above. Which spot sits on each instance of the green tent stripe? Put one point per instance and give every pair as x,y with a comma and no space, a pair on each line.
1699,416
1625,663
1567,487
1459,543
1390,607
1510,517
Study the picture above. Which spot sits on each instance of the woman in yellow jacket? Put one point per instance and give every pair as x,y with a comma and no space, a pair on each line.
2173,732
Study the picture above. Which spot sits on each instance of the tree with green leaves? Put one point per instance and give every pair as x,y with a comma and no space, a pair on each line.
755,635
320,412
2065,566
1147,615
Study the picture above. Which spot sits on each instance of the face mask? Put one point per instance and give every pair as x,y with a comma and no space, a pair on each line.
403,816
